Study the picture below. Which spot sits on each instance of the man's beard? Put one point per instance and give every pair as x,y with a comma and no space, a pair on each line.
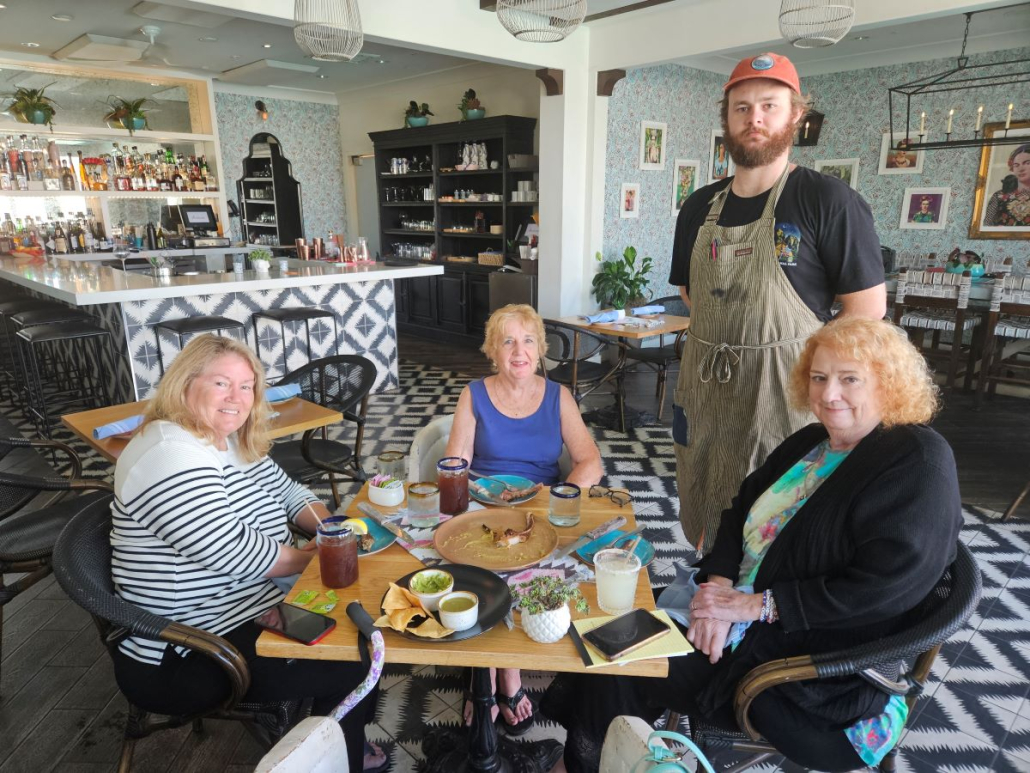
750,157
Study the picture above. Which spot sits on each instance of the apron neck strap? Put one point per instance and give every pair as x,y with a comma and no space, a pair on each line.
719,199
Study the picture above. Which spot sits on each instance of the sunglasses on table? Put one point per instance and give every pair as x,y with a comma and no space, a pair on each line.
619,496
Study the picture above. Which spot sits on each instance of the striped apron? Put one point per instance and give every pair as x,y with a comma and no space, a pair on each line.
747,328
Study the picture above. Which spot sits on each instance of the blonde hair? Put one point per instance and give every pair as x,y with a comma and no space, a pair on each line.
906,386
521,313
169,401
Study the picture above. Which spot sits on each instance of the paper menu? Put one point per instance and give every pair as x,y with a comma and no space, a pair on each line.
671,645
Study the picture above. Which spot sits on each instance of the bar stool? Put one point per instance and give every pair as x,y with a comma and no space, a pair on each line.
9,369
79,384
191,326
43,315
299,314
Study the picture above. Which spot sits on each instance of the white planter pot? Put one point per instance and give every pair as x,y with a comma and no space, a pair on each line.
261,266
547,627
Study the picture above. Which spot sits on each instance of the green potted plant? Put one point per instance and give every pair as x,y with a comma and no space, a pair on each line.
32,106
261,260
620,283
470,107
544,603
416,115
127,113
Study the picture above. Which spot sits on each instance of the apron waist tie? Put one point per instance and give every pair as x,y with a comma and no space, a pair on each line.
720,358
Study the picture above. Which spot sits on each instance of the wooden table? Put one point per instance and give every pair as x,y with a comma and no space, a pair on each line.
498,648
295,415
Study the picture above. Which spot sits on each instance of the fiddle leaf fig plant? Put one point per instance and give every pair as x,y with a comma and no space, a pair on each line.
620,281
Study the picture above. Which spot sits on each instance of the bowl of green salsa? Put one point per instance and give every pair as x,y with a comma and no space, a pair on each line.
430,585
459,610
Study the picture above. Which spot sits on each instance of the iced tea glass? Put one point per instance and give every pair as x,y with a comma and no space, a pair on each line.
337,553
452,475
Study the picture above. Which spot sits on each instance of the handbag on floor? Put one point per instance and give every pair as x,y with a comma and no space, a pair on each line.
660,759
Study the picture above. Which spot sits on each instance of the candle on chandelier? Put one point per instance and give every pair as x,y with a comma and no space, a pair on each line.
979,116
951,116
1008,118
806,130
922,123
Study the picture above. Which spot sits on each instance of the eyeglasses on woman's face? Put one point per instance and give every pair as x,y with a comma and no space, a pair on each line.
619,496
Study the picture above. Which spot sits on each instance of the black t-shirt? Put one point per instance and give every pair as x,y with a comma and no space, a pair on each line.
825,237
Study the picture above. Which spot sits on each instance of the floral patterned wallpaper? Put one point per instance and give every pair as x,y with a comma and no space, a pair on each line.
310,136
855,105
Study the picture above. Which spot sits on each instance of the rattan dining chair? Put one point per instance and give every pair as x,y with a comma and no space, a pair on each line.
910,654
341,382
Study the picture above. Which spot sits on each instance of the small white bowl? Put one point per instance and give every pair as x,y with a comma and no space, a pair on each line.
431,601
466,618
386,497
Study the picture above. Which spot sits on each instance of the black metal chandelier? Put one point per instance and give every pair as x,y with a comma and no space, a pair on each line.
962,77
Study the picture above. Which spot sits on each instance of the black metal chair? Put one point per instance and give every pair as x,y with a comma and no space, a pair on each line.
662,357
572,349
82,566
33,510
341,383
943,612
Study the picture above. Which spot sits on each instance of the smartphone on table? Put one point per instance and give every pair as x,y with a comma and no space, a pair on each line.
626,633
296,623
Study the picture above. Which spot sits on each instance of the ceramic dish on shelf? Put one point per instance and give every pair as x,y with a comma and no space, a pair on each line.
494,487
491,591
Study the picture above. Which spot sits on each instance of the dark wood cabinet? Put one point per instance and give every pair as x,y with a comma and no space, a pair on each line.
270,200
412,215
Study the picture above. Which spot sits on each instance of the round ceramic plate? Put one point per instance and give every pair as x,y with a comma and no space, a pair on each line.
493,593
495,487
463,540
383,538
644,549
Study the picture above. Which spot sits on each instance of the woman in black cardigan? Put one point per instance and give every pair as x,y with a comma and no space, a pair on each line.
846,527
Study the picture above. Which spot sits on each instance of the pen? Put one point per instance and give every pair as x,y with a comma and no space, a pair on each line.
715,249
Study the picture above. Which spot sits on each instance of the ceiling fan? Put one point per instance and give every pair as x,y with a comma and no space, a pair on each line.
101,49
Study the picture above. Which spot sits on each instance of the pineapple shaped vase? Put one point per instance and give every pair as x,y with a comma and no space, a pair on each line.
548,626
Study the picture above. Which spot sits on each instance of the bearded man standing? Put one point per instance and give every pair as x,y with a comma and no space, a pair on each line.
759,259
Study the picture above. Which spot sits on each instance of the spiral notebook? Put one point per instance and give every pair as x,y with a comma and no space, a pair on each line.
671,645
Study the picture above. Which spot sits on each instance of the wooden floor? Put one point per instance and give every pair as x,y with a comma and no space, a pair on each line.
59,705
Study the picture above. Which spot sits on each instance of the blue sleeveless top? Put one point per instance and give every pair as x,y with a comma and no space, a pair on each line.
529,447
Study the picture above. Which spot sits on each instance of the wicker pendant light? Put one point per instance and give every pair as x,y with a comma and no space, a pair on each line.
541,21
328,30
815,23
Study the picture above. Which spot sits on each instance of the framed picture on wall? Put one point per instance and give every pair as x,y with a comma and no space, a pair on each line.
1001,203
629,200
721,165
684,181
845,169
898,160
925,209
652,145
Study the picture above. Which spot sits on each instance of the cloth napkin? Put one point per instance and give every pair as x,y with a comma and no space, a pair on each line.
402,607
282,392
605,316
127,424
656,309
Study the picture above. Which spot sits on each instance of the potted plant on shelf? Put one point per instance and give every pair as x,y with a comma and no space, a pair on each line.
261,260
416,115
620,283
127,113
470,107
32,106
544,603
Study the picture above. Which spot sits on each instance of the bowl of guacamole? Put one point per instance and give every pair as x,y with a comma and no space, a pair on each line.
430,585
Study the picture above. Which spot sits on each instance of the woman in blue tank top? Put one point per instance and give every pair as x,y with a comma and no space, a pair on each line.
515,423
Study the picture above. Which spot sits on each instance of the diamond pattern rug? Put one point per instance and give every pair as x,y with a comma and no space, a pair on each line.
974,715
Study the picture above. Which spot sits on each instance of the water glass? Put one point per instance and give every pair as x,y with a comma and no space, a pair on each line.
423,505
565,501
616,571
391,463
284,265
337,553
239,263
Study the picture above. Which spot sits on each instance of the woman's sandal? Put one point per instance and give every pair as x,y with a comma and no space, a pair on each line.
373,751
511,703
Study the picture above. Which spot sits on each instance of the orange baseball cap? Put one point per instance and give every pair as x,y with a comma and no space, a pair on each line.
771,66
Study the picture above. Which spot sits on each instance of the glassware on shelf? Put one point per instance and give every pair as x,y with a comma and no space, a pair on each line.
362,253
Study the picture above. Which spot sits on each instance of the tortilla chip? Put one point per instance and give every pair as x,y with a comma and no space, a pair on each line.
431,629
400,598
400,619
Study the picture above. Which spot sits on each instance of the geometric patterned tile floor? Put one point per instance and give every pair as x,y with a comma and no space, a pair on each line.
60,709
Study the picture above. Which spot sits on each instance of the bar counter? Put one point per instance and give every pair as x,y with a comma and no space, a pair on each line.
128,304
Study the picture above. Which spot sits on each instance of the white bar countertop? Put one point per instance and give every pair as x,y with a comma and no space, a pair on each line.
102,257
81,285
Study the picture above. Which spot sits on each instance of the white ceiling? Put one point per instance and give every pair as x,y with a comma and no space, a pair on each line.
912,42
238,56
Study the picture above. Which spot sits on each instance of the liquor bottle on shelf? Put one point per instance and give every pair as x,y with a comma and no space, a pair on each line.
13,156
54,154
26,156
196,181
179,182
83,177
60,239
150,173
67,178
6,179
38,163
51,178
